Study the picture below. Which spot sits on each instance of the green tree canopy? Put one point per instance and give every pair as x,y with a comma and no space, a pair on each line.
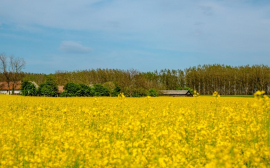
86,90
49,88
72,89
100,90
28,89
153,93
116,91
110,86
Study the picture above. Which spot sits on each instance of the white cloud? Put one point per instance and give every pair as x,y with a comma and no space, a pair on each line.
73,47
199,25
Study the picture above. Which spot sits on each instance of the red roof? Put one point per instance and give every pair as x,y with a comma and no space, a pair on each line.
18,86
4,86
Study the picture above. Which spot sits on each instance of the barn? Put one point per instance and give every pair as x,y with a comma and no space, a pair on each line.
176,93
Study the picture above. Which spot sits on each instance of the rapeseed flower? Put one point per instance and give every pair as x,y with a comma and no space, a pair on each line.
134,132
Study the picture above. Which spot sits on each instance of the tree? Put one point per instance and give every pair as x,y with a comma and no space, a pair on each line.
4,69
28,89
204,78
189,89
86,90
49,88
116,91
16,66
140,92
100,90
153,93
110,86
11,69
72,89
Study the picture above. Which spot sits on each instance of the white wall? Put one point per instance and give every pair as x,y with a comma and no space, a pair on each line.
6,92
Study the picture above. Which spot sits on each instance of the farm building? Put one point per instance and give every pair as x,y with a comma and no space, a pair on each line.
4,89
176,93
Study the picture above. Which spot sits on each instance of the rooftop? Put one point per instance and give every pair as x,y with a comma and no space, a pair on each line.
4,86
178,92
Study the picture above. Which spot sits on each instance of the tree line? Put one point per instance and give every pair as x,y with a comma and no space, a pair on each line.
50,88
227,80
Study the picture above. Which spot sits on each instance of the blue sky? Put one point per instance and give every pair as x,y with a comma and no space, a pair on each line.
145,35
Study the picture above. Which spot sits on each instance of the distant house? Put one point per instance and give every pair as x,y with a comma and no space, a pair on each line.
17,88
4,89
176,93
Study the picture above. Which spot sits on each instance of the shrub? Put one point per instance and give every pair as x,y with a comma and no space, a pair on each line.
72,89
153,93
140,92
100,90
110,86
49,88
189,89
86,90
28,89
116,91
185,88
46,89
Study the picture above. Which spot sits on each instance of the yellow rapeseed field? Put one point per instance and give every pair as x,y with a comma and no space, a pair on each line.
134,132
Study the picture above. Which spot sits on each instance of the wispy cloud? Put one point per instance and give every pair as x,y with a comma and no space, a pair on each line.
74,47
221,31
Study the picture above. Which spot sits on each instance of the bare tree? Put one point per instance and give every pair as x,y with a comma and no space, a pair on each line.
4,68
16,66
11,69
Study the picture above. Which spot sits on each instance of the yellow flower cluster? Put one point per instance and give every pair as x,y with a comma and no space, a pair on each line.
195,94
121,95
215,94
134,132
258,94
